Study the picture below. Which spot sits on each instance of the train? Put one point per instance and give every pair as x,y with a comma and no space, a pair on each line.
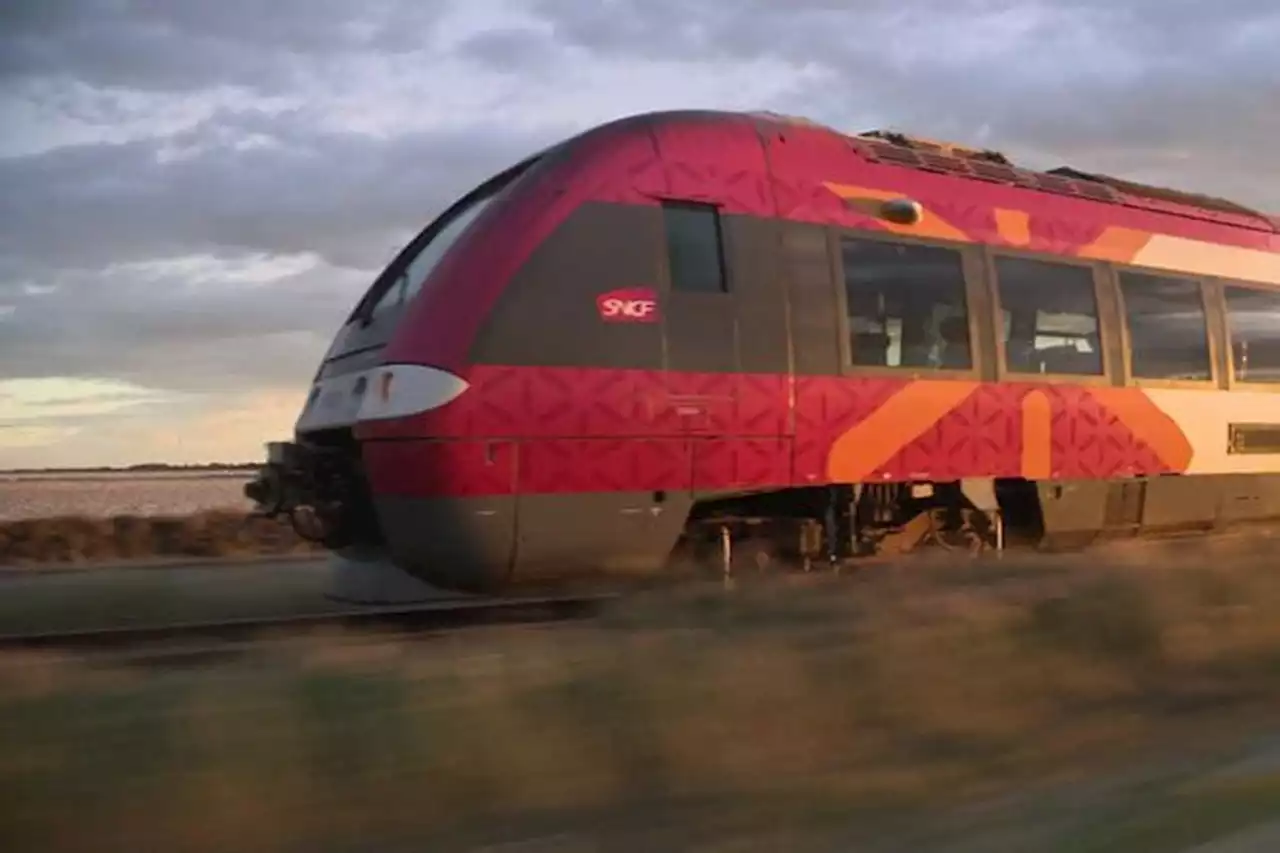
699,338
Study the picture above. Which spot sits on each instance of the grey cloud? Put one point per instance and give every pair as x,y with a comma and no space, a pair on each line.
1164,90
345,196
890,34
54,404
512,47
156,332
73,215
125,419
186,45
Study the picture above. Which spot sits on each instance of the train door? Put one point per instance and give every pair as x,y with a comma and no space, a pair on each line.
701,332
726,347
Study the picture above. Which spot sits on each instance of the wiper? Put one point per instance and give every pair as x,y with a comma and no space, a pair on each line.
366,310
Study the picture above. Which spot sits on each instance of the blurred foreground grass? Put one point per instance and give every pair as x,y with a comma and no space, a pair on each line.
969,707
102,597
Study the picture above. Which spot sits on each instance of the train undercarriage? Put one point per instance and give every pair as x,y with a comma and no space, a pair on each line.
320,487
837,526
833,526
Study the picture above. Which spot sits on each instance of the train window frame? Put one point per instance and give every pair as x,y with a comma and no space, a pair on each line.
977,307
388,280
1103,313
411,276
1212,337
722,255
1232,382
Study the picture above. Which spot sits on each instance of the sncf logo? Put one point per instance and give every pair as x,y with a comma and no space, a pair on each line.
629,305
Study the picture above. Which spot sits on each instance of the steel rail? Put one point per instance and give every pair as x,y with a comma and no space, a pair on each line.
445,614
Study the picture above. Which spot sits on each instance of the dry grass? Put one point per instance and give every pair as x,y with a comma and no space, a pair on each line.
865,710
81,539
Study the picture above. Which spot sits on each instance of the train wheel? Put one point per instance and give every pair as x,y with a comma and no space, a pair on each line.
753,556
958,532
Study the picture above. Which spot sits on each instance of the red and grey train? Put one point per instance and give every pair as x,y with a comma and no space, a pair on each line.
682,327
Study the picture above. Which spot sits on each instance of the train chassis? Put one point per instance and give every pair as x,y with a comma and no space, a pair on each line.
832,526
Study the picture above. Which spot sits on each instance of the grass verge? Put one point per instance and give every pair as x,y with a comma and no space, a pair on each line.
70,540
866,714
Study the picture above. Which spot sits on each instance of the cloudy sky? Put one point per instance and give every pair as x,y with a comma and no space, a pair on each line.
194,193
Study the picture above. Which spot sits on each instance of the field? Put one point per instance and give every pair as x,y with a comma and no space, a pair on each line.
1123,702
103,494
84,540
51,520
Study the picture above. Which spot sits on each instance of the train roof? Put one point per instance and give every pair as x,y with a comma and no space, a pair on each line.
900,149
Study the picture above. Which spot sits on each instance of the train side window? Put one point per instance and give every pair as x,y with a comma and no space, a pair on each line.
906,306
1050,317
1168,333
1253,316
695,250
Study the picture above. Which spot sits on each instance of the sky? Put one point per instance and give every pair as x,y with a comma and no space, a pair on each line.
193,194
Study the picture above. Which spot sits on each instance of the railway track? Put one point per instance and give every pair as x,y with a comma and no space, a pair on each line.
194,637
155,641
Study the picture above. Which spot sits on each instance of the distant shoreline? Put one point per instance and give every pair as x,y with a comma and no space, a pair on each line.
145,468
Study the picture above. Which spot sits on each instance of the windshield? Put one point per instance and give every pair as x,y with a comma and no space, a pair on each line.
401,281
413,273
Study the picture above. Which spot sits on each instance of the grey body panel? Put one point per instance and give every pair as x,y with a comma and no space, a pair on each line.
486,544
625,533
547,314
806,269
1080,511
458,543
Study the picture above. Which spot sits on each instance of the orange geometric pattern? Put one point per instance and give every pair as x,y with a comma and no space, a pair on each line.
898,422
1037,436
1118,245
949,220
1014,226
1064,431
1148,423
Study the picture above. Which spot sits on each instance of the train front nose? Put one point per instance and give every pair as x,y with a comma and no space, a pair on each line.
421,475
362,452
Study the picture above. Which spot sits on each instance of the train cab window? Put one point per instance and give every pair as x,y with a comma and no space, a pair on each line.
421,266
695,250
906,306
415,272
1168,335
1050,314
1253,316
